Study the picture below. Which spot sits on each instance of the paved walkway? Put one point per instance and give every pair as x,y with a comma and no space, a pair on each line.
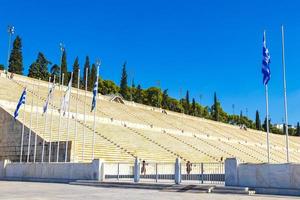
40,191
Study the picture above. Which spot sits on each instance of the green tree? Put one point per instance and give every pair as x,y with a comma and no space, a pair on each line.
138,95
298,129
165,99
39,69
108,87
64,68
187,103
86,72
153,96
54,70
175,105
216,108
2,67
193,109
93,77
16,58
257,121
123,84
76,67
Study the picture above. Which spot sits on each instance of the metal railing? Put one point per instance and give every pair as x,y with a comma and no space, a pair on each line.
202,173
157,172
119,171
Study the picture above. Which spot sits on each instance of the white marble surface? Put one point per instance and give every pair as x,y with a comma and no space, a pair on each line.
285,176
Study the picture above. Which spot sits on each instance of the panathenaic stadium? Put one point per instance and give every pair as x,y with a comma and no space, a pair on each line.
123,131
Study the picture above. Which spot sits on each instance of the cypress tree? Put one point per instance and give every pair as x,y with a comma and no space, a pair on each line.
39,69
164,101
241,117
75,71
64,69
193,107
298,129
215,108
16,58
123,84
93,77
86,70
257,121
187,102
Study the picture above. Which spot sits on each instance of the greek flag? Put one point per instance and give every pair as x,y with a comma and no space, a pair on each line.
21,101
95,91
266,62
45,108
66,99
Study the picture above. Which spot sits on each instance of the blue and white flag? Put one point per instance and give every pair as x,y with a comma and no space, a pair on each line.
66,99
266,62
21,101
45,108
95,91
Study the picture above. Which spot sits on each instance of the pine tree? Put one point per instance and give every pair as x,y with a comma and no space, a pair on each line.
64,69
16,58
187,103
93,77
39,69
298,129
257,121
193,112
123,85
75,72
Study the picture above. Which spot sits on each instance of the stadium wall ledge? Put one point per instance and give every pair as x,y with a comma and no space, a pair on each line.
52,172
264,178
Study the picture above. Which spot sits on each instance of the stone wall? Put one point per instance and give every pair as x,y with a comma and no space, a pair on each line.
278,177
10,142
51,171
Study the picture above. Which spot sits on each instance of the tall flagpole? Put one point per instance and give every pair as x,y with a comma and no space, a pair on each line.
36,119
30,126
94,125
266,72
285,99
59,125
45,128
51,122
68,122
84,118
76,116
267,118
22,133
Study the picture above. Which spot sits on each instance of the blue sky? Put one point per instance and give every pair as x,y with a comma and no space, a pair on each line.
203,46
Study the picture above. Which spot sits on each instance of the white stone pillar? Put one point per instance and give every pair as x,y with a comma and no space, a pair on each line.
231,172
177,175
136,170
3,164
98,170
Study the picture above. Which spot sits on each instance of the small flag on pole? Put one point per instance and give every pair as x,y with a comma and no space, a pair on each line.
21,101
66,99
266,62
95,91
45,108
